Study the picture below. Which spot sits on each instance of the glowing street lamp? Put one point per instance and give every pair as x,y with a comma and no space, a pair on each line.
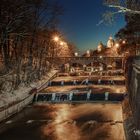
88,52
100,56
124,42
117,45
76,54
61,43
56,38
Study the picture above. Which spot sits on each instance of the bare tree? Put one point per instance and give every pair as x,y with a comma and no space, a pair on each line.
24,36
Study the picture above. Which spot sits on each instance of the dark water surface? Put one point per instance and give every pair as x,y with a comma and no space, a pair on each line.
66,122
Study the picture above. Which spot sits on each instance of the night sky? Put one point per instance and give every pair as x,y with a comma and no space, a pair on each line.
80,19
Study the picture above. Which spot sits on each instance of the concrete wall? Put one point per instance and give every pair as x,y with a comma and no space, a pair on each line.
9,111
131,104
134,90
132,121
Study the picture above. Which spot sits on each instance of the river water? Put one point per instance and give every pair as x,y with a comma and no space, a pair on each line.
66,122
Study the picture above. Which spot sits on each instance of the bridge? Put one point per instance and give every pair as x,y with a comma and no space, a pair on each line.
118,62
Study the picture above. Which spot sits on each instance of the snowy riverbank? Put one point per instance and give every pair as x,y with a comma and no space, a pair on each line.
23,91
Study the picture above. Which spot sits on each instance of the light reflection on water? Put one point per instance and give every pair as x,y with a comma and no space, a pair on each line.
67,122
62,127
84,122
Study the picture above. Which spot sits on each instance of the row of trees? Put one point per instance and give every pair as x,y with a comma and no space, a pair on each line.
26,31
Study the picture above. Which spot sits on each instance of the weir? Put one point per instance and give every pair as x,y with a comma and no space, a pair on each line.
87,82
63,89
85,96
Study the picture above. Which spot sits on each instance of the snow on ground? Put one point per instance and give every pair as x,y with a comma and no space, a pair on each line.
23,91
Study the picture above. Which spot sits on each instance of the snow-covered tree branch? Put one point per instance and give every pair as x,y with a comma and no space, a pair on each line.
119,7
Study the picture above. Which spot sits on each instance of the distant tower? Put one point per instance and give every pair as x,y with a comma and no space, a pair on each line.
100,47
110,42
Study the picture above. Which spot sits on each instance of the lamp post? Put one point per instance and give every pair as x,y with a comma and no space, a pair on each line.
64,49
56,40
117,47
88,53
